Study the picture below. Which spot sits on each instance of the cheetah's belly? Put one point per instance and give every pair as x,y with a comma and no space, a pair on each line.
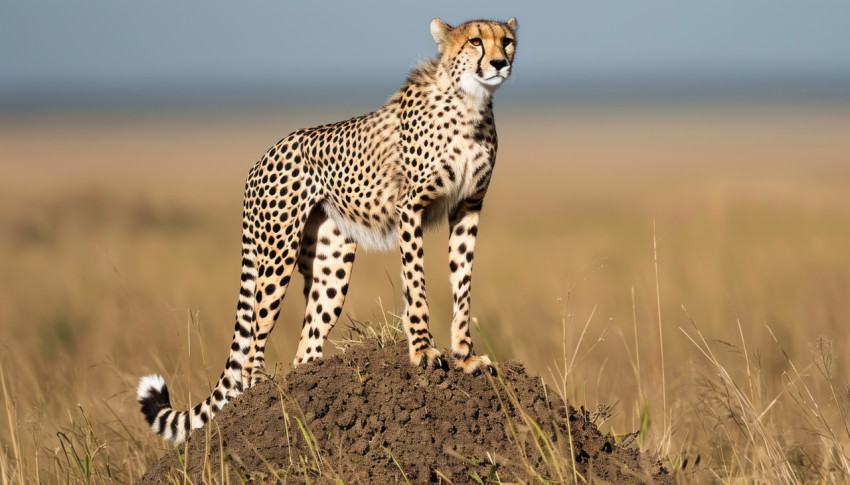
379,237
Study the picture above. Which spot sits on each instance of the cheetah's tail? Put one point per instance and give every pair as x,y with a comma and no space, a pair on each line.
153,394
156,406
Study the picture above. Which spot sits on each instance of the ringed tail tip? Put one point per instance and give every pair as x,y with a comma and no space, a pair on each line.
152,394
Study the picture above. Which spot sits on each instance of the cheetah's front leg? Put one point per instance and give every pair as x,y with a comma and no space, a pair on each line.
463,224
420,340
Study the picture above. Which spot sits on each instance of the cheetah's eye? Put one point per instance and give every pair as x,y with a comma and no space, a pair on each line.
507,41
475,41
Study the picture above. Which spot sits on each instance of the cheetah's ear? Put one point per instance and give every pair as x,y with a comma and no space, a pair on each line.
439,31
511,23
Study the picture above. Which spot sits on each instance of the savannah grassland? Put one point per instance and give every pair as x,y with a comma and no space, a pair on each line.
682,270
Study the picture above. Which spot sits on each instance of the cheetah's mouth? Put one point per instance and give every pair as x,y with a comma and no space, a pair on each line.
493,80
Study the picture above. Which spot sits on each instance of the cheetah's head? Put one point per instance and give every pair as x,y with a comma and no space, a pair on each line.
478,54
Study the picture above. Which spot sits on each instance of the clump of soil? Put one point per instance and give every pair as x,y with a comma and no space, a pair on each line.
368,416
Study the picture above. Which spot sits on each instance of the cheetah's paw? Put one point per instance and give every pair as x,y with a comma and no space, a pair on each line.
428,357
258,376
475,364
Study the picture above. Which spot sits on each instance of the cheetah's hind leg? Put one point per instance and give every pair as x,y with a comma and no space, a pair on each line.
275,273
326,261
283,209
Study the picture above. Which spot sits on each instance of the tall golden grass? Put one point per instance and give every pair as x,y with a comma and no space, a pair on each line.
683,271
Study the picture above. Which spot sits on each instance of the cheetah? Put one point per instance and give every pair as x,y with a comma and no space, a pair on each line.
375,181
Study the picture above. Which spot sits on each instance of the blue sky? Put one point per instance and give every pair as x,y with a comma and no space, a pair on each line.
157,44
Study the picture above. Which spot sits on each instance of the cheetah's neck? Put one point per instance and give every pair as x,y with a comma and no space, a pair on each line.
432,75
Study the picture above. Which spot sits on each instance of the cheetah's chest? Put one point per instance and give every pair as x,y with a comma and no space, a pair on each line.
464,170
467,171
468,157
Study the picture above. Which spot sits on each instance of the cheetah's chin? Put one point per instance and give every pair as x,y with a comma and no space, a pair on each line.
479,87
493,80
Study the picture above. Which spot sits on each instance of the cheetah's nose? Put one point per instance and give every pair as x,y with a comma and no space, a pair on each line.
499,63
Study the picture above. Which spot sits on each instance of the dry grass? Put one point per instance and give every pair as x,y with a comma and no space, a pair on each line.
119,249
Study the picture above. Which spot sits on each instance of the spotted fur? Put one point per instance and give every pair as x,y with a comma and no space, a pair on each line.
375,181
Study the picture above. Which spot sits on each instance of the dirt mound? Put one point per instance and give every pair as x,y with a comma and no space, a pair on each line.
368,416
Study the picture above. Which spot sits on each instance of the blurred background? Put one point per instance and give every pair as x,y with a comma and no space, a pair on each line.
665,168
